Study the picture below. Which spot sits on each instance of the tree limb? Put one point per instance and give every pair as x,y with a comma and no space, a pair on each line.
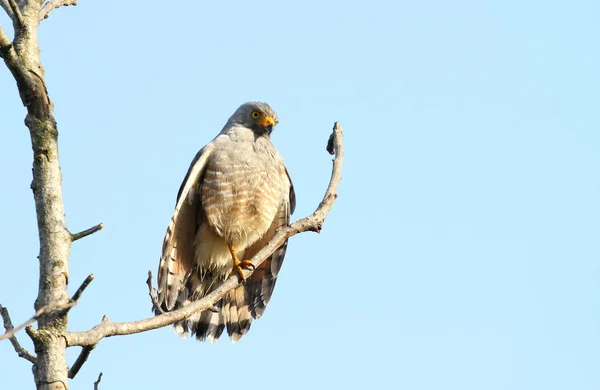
313,222
6,7
6,46
22,352
81,288
17,17
87,232
53,4
97,382
22,57
44,310
82,358
13,63
153,296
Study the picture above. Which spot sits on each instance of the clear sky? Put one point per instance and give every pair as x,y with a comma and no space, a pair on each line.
462,252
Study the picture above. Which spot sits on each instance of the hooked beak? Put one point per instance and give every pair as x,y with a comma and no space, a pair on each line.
267,123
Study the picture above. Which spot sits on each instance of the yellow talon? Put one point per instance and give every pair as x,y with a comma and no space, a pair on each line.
238,266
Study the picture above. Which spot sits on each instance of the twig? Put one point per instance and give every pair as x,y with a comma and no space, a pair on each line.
38,314
85,351
313,222
152,293
4,4
49,308
5,43
97,382
81,288
87,232
82,358
53,4
17,17
22,352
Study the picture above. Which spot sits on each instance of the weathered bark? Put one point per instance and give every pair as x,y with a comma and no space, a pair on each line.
51,368
23,60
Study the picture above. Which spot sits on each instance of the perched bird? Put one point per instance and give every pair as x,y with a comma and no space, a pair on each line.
235,195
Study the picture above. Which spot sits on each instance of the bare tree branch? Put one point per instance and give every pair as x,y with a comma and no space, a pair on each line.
17,17
152,293
52,303
22,352
313,222
82,358
11,59
97,382
6,46
87,232
53,4
44,310
81,288
47,309
50,308
6,7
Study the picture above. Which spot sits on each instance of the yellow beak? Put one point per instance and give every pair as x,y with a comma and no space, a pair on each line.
266,122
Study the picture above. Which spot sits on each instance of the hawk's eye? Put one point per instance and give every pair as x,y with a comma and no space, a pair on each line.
255,114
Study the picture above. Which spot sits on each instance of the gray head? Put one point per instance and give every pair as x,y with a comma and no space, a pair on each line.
257,116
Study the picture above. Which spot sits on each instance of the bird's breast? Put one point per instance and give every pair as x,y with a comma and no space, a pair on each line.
241,192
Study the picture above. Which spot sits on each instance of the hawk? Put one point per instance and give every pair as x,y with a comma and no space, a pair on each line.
235,195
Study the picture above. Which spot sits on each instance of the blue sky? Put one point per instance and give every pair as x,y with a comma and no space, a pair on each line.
462,252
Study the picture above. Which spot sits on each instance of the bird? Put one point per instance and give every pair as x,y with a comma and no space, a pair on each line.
237,192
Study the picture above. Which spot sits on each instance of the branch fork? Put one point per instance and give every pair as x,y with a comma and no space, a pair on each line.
21,352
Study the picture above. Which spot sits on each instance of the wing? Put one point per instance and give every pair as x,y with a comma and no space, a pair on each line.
177,257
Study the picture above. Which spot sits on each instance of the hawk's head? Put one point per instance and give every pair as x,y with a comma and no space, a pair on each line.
257,116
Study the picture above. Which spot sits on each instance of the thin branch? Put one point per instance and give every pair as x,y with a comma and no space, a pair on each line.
152,293
53,4
313,222
38,314
10,333
17,17
5,44
81,288
87,232
22,352
82,358
97,382
14,64
6,7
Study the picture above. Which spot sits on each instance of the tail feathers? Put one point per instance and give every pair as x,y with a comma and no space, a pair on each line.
262,296
206,324
209,326
234,311
237,313
181,329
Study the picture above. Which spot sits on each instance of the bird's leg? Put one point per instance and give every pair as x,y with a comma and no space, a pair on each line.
239,265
